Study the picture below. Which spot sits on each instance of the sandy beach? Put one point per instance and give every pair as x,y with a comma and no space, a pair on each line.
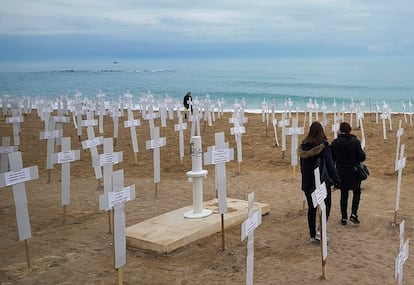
80,251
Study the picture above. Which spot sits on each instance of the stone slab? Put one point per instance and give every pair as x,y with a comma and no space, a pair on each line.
170,231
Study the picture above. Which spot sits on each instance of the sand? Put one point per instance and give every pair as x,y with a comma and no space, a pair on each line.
81,250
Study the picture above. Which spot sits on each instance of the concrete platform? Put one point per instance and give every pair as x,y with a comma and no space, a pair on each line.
171,231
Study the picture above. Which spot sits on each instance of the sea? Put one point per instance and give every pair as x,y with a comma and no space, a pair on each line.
331,84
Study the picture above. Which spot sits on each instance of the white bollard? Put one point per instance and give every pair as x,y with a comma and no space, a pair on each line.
195,176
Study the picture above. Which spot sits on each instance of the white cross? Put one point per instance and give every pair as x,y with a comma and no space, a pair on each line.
16,120
5,149
238,130
16,177
294,131
400,132
132,124
91,143
254,219
283,124
151,116
101,112
107,160
50,134
180,127
384,116
116,199
402,255
275,131
400,165
155,143
318,199
65,157
219,156
163,114
116,113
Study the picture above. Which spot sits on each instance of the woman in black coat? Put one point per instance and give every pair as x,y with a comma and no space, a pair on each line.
315,146
347,152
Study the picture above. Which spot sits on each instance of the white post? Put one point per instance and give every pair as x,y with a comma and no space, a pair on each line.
195,176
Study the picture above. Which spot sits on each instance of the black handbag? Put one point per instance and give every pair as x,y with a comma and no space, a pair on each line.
361,171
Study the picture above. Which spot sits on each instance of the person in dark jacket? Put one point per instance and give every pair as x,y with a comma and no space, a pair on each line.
347,152
187,102
315,145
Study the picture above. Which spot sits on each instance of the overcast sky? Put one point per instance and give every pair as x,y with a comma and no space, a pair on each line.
152,28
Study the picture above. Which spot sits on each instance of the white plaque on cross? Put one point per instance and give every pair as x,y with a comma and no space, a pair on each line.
318,199
254,219
65,157
5,149
155,143
17,178
107,160
219,156
116,199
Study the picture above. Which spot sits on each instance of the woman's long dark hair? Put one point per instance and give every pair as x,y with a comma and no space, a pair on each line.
316,134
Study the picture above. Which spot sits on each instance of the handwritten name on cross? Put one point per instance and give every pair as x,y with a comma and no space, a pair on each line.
254,219
5,149
318,199
402,255
155,144
180,127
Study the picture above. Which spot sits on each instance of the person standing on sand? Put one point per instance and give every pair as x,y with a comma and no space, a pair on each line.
315,145
187,102
347,152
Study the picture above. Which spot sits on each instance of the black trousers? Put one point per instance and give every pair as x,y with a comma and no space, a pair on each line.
312,211
356,197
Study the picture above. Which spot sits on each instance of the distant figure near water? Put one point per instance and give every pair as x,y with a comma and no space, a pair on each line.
188,106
